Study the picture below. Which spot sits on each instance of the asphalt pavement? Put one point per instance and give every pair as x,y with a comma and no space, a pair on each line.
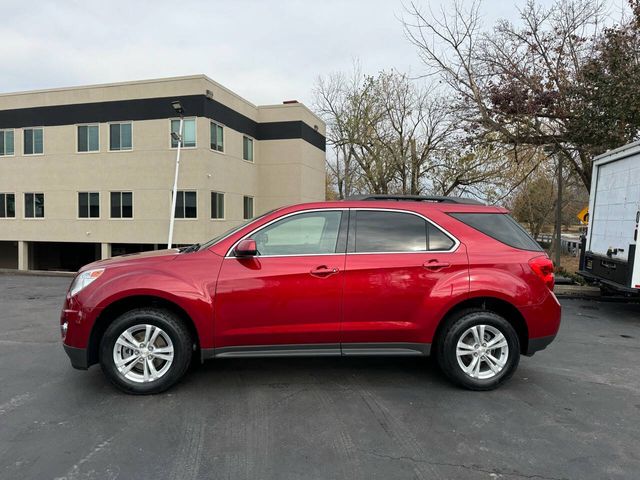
570,412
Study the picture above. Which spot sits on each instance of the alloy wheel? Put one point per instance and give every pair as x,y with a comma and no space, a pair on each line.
482,352
143,353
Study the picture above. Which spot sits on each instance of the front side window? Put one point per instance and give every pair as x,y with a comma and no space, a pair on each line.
380,231
6,142
188,132
88,138
186,205
247,207
7,205
120,136
311,233
88,205
121,205
33,141
247,149
34,205
217,205
217,137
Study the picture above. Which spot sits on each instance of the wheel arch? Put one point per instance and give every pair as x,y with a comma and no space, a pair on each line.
122,305
503,308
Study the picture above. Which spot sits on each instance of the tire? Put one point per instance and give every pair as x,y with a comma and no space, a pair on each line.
493,366
147,373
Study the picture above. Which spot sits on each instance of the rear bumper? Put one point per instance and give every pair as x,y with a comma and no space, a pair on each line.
78,357
537,344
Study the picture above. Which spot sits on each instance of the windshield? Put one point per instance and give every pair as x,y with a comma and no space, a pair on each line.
232,230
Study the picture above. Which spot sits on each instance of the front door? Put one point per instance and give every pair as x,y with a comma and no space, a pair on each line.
288,296
399,269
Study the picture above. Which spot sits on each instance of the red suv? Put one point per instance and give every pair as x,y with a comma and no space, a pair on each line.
377,275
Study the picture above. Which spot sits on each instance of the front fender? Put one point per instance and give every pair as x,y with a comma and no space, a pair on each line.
190,287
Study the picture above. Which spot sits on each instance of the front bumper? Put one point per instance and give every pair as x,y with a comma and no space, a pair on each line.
78,356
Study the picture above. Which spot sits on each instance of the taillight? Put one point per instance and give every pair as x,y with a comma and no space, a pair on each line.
543,268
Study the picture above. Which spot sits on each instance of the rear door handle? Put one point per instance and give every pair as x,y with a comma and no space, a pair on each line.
323,271
435,265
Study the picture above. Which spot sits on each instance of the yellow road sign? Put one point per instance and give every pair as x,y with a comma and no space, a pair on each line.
583,216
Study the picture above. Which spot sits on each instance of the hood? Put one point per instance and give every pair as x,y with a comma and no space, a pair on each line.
152,256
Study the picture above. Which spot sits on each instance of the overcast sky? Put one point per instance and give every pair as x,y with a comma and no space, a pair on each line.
267,51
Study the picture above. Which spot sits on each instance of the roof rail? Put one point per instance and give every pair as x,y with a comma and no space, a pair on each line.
416,198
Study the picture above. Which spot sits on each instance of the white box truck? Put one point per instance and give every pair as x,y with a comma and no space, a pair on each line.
610,257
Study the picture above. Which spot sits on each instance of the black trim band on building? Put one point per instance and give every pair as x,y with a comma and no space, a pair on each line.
159,108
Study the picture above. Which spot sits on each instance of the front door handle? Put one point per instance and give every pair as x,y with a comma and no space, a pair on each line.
435,265
323,271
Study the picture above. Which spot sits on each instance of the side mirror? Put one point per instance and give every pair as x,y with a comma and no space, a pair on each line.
246,248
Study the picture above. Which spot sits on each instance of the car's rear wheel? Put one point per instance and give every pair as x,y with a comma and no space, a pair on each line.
145,351
478,350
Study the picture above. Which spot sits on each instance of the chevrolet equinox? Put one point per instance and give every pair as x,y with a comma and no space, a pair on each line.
373,275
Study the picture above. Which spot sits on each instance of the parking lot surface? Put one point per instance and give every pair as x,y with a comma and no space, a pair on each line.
570,412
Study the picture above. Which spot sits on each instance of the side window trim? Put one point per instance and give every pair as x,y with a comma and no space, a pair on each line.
344,211
352,230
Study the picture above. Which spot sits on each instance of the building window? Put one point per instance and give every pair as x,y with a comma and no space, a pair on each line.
188,132
121,205
88,205
217,137
119,136
6,142
34,205
88,138
217,205
247,148
7,205
247,207
186,205
33,141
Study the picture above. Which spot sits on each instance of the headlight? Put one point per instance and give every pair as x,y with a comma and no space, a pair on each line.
85,279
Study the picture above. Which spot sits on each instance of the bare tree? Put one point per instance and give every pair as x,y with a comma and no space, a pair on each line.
388,134
513,85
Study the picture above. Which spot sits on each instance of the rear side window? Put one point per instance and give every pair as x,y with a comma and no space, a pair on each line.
501,227
383,231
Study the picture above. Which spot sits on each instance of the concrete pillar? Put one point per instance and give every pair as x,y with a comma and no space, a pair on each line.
105,251
23,255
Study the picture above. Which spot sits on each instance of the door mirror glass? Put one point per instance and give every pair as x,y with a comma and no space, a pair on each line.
246,248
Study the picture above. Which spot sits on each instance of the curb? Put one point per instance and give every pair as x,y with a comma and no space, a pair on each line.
37,273
576,291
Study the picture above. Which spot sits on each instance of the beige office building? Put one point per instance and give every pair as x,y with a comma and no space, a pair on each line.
87,172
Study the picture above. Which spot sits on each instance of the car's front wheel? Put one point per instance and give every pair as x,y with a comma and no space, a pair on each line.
479,350
145,351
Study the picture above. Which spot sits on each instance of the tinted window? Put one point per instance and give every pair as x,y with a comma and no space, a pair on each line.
501,227
120,136
438,240
33,141
247,148
6,142
88,138
188,132
186,205
34,205
7,205
378,231
88,205
217,205
304,234
247,207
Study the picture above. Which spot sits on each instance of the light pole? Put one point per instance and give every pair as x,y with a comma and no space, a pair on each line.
177,106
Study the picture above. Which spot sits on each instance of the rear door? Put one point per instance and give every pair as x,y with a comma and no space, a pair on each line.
400,268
